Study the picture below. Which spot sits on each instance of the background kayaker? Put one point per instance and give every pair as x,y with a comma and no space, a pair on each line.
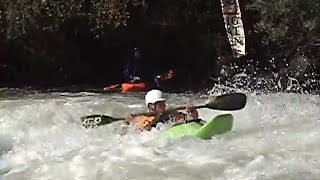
138,68
141,69
156,102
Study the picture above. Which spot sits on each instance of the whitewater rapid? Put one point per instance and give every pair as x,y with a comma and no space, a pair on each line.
276,136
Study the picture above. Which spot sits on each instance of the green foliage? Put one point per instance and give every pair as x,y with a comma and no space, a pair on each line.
183,11
16,16
278,20
286,19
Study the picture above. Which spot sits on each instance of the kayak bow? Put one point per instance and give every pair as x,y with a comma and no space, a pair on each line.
218,125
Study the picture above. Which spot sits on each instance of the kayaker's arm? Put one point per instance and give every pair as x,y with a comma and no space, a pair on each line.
192,111
129,118
129,71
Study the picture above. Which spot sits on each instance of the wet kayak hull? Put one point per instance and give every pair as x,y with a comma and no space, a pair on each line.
218,125
127,87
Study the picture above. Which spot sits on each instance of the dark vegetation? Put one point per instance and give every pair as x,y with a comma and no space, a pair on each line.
56,43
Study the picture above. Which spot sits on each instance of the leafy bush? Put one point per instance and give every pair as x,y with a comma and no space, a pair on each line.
17,16
286,19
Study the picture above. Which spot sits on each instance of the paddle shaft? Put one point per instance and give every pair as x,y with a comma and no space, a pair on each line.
168,111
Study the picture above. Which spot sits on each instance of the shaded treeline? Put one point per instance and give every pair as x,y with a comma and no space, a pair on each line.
61,43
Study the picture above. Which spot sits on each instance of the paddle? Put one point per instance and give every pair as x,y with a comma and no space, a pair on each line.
113,87
227,102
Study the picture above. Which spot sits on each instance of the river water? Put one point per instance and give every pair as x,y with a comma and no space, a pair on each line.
276,136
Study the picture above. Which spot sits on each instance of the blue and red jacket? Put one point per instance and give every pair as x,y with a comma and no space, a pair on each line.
141,68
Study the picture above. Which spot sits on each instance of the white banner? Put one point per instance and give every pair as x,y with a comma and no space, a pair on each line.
234,26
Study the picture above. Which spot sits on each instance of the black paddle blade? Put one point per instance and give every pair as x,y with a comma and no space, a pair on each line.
228,102
92,121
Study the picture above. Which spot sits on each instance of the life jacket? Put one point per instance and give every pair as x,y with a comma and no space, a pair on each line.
147,122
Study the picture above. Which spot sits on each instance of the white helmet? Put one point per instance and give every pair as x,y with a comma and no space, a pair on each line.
154,96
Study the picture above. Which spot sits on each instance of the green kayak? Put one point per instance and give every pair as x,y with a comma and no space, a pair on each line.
218,125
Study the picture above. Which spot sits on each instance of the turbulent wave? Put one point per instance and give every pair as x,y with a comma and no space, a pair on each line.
275,137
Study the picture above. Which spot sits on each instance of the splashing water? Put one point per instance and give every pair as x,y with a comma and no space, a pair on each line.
275,137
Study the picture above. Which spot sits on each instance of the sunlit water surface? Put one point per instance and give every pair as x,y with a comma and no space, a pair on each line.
277,136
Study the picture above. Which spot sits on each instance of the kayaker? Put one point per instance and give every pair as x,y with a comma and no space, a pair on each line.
156,102
140,69
133,70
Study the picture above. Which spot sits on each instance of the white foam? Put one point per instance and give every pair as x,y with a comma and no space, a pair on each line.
275,137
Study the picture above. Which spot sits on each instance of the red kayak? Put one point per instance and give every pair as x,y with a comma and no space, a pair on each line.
137,86
127,87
